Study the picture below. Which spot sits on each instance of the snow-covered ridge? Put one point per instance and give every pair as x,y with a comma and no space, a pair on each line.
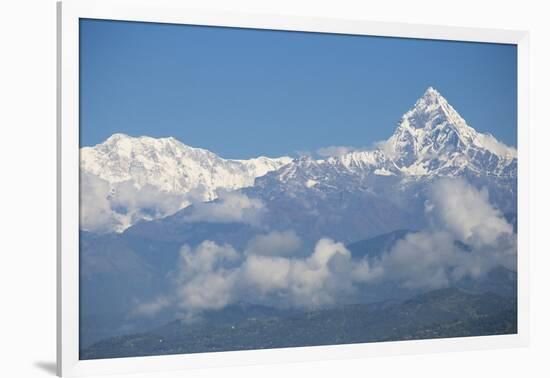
148,178
170,165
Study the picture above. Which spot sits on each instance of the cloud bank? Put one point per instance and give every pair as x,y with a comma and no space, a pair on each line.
211,276
468,238
467,213
106,208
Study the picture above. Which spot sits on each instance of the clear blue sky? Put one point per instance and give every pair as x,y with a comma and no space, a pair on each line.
243,93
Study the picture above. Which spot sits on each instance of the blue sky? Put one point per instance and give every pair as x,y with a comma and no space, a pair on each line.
243,93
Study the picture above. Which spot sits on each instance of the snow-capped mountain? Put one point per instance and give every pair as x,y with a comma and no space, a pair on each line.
171,166
431,140
125,179
364,193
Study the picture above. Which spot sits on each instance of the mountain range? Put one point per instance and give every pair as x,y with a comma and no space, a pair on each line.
146,178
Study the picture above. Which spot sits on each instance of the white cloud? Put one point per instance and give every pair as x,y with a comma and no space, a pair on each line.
363,271
489,142
147,202
204,278
230,207
113,208
210,290
432,258
420,260
208,256
318,279
95,208
335,151
212,276
467,213
322,277
266,274
301,282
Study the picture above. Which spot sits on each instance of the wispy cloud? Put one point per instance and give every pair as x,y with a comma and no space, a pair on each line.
230,207
335,151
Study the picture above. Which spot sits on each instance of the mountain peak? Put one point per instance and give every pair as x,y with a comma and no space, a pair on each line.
432,91
431,97
432,105
116,137
433,134
430,111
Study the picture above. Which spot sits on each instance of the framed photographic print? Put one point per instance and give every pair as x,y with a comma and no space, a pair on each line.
245,188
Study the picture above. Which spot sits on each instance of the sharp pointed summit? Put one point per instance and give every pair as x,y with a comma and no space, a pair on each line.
432,96
433,135
430,110
432,92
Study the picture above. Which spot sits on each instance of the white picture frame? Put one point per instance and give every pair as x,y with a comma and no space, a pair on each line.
170,11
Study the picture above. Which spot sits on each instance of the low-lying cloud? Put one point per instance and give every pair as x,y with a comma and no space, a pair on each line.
107,208
113,208
95,208
468,237
205,276
467,213
212,275
230,207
